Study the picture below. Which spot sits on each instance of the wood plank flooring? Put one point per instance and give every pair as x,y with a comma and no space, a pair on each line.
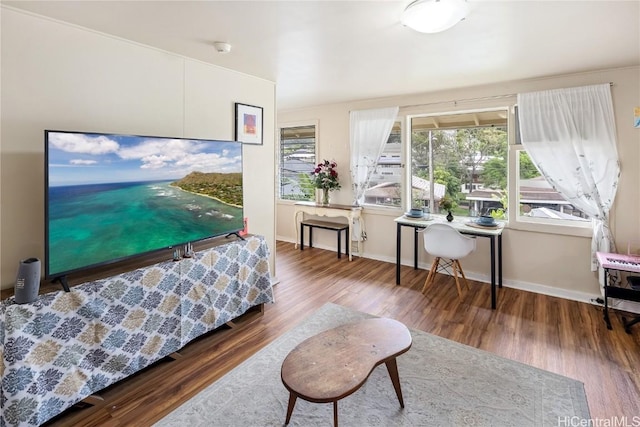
565,337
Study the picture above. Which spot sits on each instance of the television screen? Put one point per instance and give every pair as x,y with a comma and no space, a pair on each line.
111,197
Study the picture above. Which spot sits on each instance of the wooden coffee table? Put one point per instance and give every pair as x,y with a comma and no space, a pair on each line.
335,363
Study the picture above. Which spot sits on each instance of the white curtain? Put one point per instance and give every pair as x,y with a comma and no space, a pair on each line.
570,135
369,132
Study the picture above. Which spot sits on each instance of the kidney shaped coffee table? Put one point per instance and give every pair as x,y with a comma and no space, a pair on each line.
335,363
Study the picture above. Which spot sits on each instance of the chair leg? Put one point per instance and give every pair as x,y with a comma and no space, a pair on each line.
431,275
455,274
463,276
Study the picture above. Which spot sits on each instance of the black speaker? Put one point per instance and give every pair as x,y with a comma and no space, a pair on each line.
27,281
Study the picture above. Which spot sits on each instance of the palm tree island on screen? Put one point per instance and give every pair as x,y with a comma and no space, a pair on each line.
110,197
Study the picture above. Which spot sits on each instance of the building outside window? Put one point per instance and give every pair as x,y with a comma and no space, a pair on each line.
385,185
297,159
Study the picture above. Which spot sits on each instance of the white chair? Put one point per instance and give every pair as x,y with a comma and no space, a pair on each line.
446,244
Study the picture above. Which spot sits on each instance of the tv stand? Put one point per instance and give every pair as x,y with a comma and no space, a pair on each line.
63,283
66,346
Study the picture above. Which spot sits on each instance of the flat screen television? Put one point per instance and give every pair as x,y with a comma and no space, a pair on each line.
112,197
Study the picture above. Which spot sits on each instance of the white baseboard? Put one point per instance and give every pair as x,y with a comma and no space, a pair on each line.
285,239
537,288
524,286
321,246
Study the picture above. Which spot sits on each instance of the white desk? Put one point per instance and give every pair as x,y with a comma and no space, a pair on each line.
351,213
460,224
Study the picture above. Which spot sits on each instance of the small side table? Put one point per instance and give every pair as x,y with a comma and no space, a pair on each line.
326,225
335,363
351,213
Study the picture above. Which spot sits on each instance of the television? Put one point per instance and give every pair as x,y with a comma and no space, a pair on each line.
110,197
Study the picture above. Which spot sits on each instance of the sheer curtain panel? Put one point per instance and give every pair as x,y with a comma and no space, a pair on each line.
369,132
570,135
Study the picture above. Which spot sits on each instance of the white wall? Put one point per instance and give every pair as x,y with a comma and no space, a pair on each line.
59,76
547,263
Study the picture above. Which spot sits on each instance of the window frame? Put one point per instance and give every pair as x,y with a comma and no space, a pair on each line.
495,107
524,223
514,220
540,225
286,125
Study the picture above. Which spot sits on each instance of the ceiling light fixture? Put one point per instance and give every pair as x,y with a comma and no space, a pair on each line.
434,16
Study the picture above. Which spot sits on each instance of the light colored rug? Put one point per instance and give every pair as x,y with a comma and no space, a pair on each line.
444,384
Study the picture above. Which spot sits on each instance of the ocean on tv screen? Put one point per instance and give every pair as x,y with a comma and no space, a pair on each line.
111,197
93,227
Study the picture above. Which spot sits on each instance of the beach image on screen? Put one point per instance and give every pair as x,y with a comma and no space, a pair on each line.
114,196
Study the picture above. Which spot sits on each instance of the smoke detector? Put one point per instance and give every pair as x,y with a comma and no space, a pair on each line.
222,47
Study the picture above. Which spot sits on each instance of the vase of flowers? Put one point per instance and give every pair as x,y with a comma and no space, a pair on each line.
447,204
325,178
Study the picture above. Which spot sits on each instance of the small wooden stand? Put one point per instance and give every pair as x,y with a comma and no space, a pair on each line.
336,363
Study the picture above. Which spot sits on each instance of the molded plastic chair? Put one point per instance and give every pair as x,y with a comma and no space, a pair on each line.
448,245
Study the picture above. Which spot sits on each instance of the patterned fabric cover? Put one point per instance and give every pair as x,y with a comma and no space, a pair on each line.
66,346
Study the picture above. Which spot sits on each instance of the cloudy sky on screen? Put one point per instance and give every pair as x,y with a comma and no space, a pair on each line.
84,158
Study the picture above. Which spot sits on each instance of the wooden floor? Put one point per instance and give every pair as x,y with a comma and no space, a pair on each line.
557,335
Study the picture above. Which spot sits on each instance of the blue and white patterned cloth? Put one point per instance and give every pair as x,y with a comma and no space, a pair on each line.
64,347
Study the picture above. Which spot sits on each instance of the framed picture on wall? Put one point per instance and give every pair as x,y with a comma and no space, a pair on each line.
248,124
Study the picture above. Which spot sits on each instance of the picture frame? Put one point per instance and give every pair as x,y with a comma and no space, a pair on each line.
249,127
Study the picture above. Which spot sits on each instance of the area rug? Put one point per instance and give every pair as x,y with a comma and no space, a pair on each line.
444,383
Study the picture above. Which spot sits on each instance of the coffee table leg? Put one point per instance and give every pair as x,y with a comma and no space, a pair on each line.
292,403
335,414
392,367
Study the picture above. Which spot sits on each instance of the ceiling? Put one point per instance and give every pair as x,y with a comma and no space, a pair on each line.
321,52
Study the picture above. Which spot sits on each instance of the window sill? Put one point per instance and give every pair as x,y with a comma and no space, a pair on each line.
290,202
538,227
390,211
534,227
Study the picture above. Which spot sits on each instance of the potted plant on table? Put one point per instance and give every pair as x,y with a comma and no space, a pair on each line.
447,204
325,178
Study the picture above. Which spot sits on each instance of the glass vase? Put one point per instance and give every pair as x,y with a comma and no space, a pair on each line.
325,196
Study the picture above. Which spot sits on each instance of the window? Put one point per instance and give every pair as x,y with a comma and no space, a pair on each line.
297,161
385,185
461,155
537,200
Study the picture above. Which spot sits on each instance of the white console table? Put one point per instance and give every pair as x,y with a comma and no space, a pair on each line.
351,213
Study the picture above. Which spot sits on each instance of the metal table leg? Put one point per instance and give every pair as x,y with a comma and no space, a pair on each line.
398,246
